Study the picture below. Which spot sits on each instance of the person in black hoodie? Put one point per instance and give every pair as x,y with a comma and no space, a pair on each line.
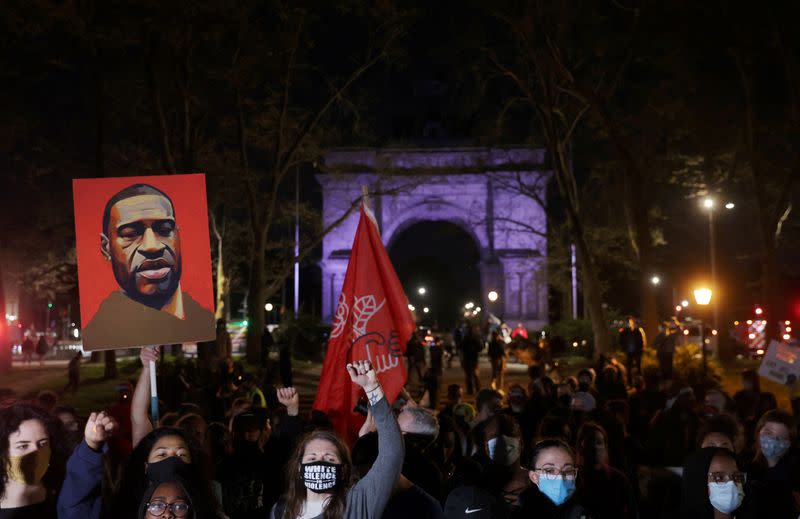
553,473
713,487
604,490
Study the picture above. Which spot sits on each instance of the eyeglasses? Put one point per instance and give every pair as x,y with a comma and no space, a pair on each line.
724,477
157,508
553,473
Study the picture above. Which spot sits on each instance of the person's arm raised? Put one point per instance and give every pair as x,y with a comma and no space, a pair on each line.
140,422
81,495
370,495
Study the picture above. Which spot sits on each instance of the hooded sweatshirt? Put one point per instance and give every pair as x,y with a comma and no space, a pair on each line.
695,502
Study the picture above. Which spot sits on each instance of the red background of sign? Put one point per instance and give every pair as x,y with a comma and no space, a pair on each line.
95,278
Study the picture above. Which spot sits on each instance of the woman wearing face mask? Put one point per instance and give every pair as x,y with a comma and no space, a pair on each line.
320,469
775,462
553,474
504,477
163,455
604,491
714,488
28,479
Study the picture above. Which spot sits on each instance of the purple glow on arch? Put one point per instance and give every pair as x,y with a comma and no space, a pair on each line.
474,188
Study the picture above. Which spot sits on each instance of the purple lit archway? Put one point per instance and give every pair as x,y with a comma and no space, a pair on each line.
491,193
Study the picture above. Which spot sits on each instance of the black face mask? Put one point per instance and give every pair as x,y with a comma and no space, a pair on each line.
167,469
321,476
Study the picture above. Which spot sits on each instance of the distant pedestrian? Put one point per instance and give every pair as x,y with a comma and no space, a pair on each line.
73,373
415,353
632,341
28,348
471,347
41,349
434,374
497,358
664,344
224,345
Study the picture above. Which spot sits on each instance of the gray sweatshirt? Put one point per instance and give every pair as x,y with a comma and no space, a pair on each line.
368,497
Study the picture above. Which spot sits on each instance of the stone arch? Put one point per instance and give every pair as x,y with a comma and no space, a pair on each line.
473,188
452,215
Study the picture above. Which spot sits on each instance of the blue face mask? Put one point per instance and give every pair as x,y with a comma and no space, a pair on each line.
725,497
556,489
773,447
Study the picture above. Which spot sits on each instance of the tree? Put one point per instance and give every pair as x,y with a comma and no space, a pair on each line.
543,60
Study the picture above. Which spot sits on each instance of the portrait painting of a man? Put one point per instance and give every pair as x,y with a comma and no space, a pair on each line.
141,243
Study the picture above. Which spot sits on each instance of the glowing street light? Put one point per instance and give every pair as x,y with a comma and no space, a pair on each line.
759,310
422,291
678,308
684,303
269,307
426,309
411,307
493,296
477,309
655,280
730,205
702,297
469,306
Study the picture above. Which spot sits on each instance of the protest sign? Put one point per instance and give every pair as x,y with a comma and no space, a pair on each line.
780,362
144,261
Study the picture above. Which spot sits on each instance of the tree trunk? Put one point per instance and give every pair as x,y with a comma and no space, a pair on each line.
255,297
223,285
223,281
636,204
110,358
592,296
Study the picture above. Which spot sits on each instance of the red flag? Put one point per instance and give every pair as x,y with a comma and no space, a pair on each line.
372,322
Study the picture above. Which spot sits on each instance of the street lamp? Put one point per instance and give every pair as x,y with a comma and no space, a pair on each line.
268,307
655,280
493,296
702,297
709,205
469,306
422,291
426,309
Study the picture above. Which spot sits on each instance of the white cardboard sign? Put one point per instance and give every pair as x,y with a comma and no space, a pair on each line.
780,361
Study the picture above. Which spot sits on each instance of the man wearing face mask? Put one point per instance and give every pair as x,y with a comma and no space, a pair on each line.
503,476
714,488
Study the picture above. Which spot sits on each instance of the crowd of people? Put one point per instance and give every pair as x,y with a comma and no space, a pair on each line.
590,445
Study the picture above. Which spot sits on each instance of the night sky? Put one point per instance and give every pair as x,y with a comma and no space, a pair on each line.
78,101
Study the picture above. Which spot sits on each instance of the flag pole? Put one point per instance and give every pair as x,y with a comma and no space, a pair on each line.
365,196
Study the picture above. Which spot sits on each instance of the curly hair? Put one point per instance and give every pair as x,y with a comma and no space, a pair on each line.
296,489
11,418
